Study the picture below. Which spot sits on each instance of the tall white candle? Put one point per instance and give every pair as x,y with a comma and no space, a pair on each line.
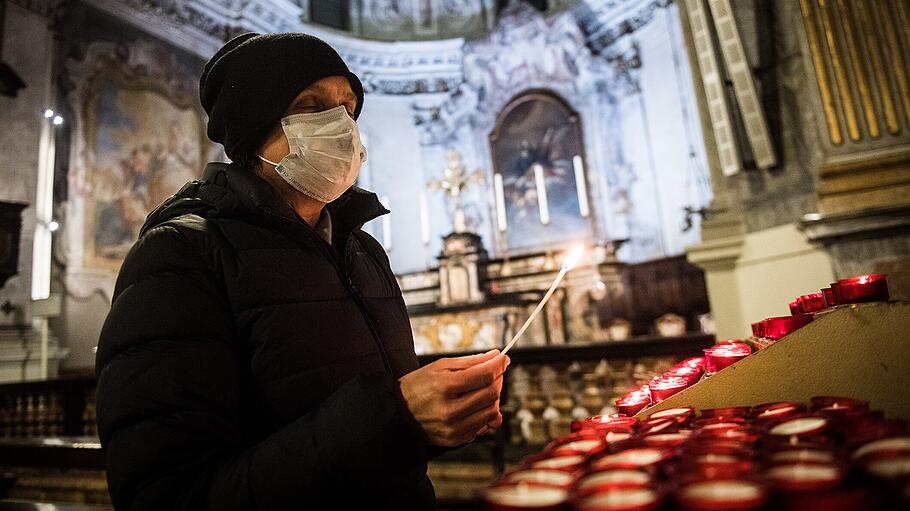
424,219
501,221
581,186
542,205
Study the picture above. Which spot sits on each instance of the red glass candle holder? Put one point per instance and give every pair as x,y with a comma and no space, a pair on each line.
780,326
864,288
810,303
758,329
622,477
828,294
665,387
585,443
725,354
632,403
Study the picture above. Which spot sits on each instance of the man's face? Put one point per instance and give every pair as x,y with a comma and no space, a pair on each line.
326,94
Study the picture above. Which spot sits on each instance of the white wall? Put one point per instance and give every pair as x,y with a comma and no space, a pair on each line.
26,48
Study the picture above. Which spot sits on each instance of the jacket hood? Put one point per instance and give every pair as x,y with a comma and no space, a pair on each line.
229,191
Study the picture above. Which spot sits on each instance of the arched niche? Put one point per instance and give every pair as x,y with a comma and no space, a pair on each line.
537,152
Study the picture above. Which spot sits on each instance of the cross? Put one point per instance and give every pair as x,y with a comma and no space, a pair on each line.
455,180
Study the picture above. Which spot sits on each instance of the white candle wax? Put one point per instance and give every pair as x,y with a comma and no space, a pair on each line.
804,472
890,468
580,445
799,426
813,455
670,412
901,443
554,477
615,476
559,462
640,457
719,491
620,498
526,495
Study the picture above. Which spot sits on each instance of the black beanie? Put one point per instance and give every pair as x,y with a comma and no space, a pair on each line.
249,83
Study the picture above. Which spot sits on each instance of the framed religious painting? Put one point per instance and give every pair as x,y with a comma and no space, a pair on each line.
539,173
139,137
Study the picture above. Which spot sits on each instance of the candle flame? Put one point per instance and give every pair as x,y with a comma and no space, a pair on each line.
574,256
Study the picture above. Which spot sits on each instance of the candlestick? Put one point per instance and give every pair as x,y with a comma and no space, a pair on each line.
570,261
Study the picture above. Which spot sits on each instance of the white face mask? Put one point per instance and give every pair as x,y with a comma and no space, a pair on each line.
326,153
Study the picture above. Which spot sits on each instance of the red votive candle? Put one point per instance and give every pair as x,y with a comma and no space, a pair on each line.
665,387
777,327
721,495
525,496
633,402
830,300
725,354
693,362
758,329
810,304
864,288
621,499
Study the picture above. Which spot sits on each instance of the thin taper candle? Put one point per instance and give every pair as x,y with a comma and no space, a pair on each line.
570,261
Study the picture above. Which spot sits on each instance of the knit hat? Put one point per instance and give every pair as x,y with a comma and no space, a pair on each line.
249,83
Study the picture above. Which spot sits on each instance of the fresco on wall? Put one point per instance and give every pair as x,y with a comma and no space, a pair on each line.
538,129
144,148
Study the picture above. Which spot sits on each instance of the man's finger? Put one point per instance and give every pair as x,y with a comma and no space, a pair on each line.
479,375
477,399
458,363
477,420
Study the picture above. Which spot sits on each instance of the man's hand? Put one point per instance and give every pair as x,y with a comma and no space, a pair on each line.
456,399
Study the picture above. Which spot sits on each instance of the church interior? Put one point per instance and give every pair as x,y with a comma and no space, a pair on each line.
736,171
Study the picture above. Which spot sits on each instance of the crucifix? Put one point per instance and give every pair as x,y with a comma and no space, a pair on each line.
455,180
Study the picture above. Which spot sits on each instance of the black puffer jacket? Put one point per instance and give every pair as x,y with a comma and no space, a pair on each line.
247,364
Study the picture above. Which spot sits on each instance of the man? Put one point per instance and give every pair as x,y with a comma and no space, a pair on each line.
258,353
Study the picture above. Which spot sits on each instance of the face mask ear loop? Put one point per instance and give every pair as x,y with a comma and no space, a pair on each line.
267,161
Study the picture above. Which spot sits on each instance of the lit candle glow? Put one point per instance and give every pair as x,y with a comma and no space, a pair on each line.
570,261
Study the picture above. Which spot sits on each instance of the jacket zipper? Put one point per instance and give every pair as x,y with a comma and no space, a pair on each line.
349,287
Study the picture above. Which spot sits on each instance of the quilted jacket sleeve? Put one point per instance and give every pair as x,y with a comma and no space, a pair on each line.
170,377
